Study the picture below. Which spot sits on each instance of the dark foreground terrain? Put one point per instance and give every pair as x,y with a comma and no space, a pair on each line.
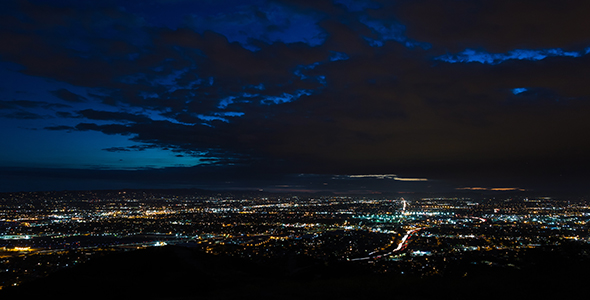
175,272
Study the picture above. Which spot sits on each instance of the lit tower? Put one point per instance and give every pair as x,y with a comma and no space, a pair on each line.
404,203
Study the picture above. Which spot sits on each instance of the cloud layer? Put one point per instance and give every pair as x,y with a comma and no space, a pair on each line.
424,89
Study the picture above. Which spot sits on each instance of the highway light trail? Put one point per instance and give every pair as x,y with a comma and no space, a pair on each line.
400,246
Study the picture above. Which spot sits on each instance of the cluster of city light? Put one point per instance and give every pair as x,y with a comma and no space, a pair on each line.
267,225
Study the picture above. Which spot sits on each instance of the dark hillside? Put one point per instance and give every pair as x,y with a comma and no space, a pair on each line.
174,272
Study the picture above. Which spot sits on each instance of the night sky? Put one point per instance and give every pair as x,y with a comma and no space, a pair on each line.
323,95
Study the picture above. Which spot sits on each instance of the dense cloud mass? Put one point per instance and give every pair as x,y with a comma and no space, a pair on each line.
445,90
497,26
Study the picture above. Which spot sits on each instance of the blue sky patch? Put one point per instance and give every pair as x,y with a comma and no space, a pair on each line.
285,97
517,91
338,56
470,55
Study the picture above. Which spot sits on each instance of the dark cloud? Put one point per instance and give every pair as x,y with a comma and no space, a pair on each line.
372,97
15,104
130,148
262,21
497,26
112,116
106,129
60,127
86,45
116,149
66,95
326,6
66,114
24,115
